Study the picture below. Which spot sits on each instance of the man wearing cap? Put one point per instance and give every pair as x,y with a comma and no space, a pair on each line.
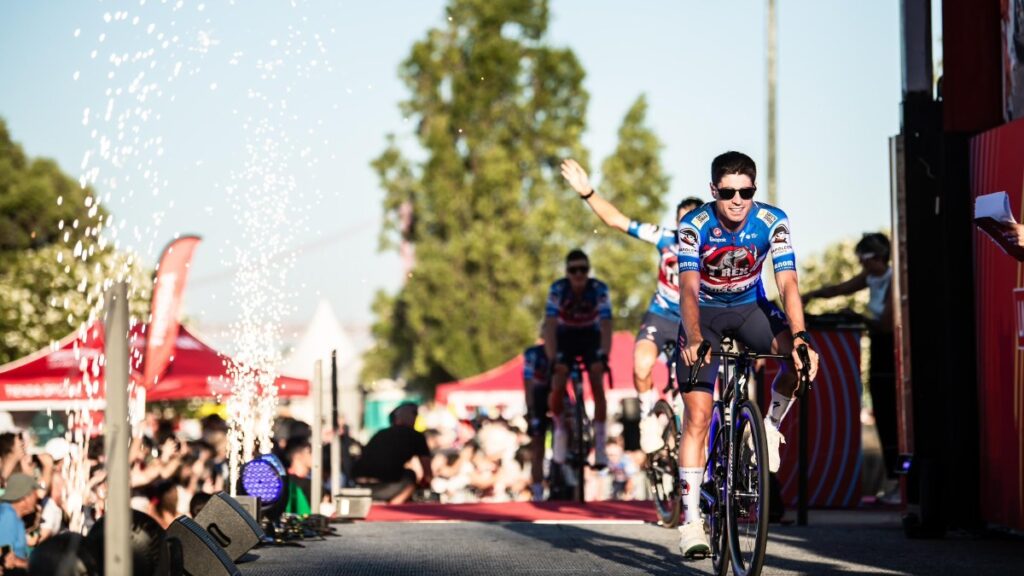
18,500
383,467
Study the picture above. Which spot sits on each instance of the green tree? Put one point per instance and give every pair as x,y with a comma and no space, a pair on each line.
35,197
496,110
47,223
635,182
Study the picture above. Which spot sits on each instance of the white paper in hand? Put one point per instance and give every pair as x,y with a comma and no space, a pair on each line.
995,206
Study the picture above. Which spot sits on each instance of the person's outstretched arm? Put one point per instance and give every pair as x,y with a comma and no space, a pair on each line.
577,178
855,284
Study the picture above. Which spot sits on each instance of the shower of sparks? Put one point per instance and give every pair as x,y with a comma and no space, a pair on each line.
269,204
270,194
122,163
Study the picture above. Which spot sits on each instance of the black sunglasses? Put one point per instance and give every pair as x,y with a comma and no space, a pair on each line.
728,193
578,269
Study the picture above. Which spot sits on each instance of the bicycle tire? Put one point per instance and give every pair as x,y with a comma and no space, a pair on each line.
715,514
663,471
747,504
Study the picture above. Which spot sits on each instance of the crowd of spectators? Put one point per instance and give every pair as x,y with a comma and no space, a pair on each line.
425,455
487,459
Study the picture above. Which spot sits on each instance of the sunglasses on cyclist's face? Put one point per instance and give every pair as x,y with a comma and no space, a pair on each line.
580,269
728,193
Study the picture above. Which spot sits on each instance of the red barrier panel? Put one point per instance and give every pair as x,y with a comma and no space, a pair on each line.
834,447
995,167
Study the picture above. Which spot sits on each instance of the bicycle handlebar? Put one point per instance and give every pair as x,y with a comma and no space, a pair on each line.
805,372
705,347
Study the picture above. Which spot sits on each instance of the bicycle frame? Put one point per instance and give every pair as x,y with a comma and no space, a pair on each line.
730,493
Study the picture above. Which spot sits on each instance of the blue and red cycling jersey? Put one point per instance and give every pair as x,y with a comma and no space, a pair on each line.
730,262
535,365
665,301
585,310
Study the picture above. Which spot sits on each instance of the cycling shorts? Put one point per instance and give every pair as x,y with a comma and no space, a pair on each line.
658,329
576,342
754,325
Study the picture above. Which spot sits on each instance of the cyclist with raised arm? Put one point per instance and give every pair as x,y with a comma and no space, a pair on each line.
661,321
578,322
722,247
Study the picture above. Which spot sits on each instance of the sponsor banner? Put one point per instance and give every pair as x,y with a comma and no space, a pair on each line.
168,287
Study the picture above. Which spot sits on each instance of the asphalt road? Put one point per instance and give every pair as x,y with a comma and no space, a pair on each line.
833,543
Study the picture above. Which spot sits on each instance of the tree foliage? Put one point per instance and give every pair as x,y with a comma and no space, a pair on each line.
634,180
496,109
35,197
835,264
46,223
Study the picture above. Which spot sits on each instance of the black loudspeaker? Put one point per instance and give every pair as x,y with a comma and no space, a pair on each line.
230,525
202,555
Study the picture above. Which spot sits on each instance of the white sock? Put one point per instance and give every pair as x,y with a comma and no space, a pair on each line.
647,401
690,479
780,405
560,442
600,438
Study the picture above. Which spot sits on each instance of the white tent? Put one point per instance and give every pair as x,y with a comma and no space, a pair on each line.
324,334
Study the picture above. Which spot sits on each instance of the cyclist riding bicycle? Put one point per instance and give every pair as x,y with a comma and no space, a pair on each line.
537,386
661,321
722,247
578,323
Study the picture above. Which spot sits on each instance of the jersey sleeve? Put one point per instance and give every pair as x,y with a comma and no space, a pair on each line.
554,300
783,257
604,302
650,233
688,245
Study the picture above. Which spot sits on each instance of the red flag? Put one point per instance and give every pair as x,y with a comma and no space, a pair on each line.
168,286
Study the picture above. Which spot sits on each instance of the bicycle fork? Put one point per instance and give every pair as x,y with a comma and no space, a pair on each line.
708,497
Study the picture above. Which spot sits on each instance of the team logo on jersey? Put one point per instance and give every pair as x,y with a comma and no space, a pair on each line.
730,262
767,217
700,220
780,235
688,238
717,232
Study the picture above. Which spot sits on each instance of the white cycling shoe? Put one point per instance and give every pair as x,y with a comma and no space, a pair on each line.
652,431
693,542
774,439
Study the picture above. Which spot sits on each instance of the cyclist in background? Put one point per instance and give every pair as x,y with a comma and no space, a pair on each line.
537,386
722,246
661,321
578,322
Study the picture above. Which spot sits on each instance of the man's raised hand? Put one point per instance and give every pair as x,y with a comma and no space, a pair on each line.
576,176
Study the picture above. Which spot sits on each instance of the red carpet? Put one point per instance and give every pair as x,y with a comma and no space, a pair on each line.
611,511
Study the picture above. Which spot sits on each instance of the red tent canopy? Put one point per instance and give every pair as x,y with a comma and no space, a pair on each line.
198,371
70,371
503,386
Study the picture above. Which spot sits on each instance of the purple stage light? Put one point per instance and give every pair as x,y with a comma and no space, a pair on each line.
264,479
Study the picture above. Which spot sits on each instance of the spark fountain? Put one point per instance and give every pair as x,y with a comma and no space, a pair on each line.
142,55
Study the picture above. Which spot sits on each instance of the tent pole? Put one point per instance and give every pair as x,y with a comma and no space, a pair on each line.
117,548
335,429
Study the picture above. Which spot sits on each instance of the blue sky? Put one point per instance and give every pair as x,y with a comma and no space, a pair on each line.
701,65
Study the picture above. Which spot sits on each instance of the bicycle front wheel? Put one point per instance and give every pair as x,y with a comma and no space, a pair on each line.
663,470
715,485
747,502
